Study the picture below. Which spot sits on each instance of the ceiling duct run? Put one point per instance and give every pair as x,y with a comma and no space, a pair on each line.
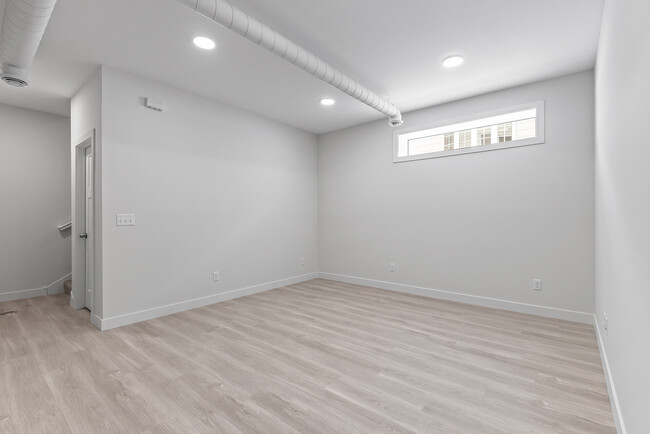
23,25
224,13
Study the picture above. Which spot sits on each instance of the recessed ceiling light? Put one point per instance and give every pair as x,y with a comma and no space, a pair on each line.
203,42
327,101
452,61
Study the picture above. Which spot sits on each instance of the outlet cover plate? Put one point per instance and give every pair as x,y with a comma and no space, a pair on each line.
126,219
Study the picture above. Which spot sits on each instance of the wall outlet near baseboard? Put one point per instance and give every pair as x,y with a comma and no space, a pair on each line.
392,267
605,323
537,284
302,261
215,276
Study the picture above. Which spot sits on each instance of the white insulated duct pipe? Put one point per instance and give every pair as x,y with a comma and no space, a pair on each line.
224,13
23,25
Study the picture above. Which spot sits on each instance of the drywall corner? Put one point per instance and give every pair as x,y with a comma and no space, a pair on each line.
86,121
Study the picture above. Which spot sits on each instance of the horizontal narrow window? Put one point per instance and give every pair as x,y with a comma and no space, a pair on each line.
507,128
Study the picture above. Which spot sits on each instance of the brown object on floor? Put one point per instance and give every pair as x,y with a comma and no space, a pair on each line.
67,287
318,356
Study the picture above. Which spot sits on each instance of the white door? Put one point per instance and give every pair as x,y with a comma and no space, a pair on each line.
88,205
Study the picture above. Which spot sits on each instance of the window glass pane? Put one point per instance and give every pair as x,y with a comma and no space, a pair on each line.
484,136
449,141
505,132
524,129
465,139
424,145
506,127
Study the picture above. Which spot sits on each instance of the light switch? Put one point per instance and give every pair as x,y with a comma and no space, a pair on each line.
126,219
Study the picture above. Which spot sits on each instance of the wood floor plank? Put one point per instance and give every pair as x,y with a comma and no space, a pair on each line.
314,357
30,407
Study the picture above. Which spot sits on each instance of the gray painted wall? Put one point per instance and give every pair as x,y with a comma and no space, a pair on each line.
86,116
483,224
623,204
213,188
35,199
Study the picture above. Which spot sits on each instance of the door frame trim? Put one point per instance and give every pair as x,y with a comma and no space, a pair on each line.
78,294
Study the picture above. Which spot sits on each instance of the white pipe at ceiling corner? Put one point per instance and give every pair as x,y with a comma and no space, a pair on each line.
23,25
224,13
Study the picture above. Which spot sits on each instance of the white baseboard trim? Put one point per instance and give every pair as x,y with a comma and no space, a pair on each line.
613,397
36,292
57,287
550,312
25,293
96,321
143,315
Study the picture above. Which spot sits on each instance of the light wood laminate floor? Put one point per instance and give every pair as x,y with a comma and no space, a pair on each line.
319,356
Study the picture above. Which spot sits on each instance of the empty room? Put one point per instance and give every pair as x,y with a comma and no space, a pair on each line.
301,216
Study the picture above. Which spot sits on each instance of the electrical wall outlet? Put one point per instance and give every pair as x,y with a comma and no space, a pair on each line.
537,284
392,267
215,276
605,322
302,261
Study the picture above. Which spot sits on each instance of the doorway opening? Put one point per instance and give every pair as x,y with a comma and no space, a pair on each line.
83,225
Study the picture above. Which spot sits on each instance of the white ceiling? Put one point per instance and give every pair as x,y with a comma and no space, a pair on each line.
392,47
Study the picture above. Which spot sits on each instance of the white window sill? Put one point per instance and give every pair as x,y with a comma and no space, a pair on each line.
473,150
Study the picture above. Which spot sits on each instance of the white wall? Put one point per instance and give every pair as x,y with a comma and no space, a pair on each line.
213,188
35,199
86,117
623,205
482,224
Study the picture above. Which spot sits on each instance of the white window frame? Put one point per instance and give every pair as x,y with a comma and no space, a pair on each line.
538,139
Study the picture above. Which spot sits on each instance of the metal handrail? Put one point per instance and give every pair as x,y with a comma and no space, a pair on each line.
65,226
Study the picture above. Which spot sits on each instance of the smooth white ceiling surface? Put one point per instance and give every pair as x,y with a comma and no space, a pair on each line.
392,47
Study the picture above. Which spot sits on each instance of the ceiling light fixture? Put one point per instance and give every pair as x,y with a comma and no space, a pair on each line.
452,61
204,43
327,101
